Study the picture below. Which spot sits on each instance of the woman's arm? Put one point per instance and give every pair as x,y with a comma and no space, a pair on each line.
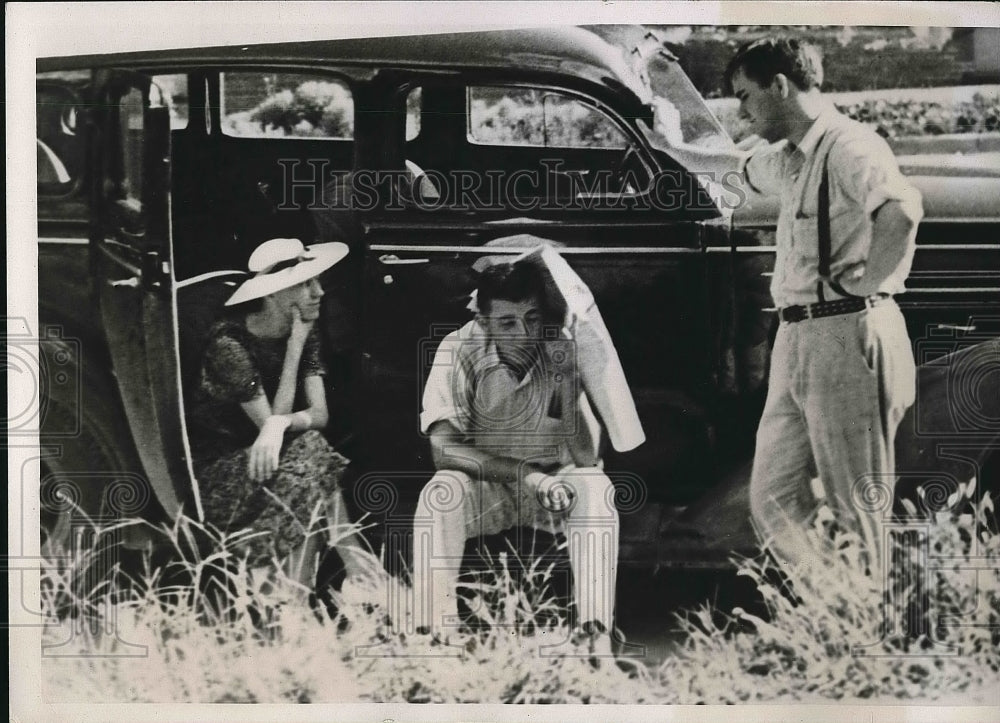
265,452
316,415
266,449
284,397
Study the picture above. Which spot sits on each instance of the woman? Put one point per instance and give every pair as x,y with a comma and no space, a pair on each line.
259,402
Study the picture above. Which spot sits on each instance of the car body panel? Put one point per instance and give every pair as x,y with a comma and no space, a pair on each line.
567,52
421,279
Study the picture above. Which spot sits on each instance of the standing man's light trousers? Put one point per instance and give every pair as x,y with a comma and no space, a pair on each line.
839,386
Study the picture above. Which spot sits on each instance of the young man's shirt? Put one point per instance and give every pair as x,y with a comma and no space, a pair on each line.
863,176
543,417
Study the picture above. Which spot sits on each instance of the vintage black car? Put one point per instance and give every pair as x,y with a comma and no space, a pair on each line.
160,171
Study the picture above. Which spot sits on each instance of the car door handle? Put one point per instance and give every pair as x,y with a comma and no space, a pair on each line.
131,282
967,328
393,260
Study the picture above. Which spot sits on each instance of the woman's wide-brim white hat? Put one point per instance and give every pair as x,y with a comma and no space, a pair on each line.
284,262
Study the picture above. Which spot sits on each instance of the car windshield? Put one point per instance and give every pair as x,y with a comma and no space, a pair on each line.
680,115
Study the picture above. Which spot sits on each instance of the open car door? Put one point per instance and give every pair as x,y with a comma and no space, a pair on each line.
133,273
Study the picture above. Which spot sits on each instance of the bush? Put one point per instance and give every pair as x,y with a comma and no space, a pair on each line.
897,119
314,109
872,58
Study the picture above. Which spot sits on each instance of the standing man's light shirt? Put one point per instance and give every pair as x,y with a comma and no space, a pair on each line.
863,177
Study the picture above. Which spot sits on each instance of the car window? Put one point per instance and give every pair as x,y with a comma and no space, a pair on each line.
58,140
414,107
680,113
537,117
174,88
285,105
130,144
207,102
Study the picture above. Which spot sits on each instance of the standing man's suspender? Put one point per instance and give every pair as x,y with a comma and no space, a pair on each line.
823,231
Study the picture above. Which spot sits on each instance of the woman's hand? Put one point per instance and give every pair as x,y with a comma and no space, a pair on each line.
300,329
266,449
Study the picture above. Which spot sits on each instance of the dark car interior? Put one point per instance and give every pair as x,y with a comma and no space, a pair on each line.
538,161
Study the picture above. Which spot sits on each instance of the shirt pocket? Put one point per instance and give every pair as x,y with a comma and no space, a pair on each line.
805,238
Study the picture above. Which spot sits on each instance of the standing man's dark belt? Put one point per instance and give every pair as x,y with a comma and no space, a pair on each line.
831,308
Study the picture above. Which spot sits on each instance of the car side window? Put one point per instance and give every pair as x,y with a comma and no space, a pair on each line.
174,88
130,144
499,115
59,142
128,179
414,107
258,104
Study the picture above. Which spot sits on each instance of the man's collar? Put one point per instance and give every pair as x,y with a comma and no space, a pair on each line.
809,141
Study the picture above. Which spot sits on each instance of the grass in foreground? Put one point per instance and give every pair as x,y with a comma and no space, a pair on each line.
205,630
831,633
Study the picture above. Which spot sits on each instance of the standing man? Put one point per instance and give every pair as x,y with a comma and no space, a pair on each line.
515,442
842,370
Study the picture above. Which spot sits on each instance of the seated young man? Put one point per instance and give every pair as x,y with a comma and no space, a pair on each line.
515,442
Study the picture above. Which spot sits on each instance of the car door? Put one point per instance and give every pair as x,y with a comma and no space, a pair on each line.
647,269
133,271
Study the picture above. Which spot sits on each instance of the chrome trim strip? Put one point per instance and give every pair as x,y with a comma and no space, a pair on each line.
961,219
946,273
769,224
920,247
106,249
65,241
953,290
603,249
959,247
520,250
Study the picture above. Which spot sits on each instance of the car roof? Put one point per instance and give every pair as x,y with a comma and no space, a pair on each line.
564,50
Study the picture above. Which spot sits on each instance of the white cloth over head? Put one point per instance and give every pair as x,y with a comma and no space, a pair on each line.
597,359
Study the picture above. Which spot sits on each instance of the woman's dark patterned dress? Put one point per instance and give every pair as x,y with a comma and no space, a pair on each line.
237,367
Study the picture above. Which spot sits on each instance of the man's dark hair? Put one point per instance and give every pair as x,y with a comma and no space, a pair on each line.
517,282
762,59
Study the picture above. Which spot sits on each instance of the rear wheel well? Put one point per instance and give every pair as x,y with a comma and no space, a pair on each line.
89,467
